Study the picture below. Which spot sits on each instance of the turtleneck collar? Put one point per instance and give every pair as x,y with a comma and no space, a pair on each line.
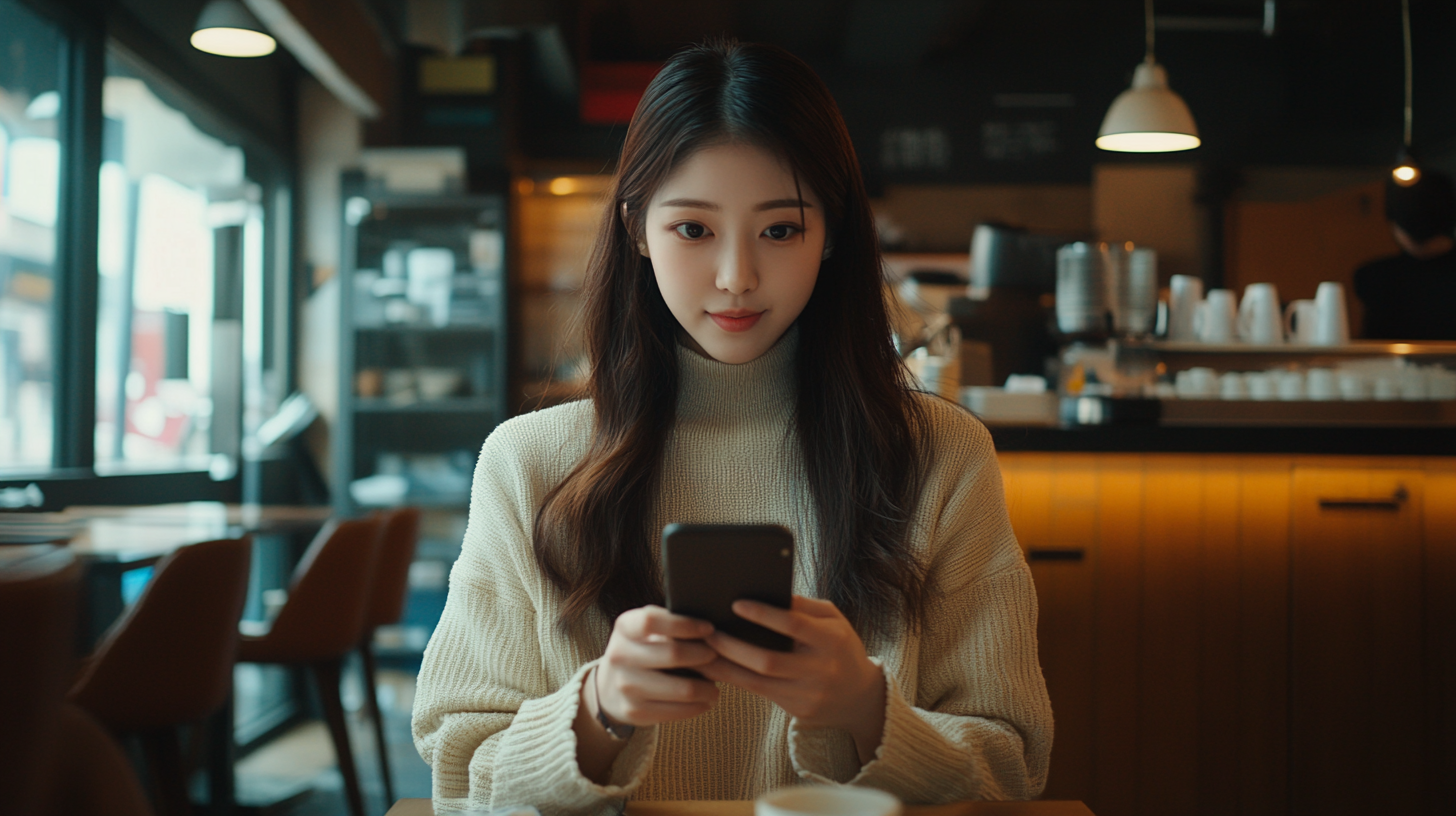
763,387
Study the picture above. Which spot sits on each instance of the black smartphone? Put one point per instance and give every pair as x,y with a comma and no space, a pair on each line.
706,567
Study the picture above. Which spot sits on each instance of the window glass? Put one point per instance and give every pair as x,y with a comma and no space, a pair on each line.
30,166
174,200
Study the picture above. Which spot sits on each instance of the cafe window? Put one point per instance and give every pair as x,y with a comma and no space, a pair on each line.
30,167
180,228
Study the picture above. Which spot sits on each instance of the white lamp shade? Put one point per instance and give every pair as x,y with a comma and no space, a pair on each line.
1148,117
228,29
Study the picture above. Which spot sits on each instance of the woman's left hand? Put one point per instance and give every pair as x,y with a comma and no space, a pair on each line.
827,681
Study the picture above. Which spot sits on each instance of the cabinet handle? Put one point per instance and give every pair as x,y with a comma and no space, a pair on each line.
1055,555
1390,505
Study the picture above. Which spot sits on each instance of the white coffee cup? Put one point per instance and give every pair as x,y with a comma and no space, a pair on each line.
1386,388
1413,384
1321,384
1216,320
826,800
1185,293
1440,383
1291,385
1300,317
1332,324
1260,321
1261,385
1231,386
1354,386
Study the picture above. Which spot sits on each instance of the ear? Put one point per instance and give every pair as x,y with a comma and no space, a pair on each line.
641,244
828,249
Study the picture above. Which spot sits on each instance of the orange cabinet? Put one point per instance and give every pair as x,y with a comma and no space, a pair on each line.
1208,629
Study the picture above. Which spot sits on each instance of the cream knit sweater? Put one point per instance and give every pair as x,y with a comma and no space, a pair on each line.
966,712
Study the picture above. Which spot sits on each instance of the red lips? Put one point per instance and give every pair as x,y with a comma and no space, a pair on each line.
735,320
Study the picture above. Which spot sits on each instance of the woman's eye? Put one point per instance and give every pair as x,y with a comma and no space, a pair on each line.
691,231
781,232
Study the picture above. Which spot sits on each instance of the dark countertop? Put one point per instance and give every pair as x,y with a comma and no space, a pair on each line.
1361,441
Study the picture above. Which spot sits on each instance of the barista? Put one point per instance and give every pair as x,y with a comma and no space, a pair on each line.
1412,296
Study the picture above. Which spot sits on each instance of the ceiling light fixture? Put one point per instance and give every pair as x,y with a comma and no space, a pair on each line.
1406,172
1148,117
228,29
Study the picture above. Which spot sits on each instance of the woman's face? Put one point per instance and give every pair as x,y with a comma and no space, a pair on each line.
732,258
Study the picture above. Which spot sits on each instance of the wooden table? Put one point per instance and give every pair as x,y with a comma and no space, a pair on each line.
421,807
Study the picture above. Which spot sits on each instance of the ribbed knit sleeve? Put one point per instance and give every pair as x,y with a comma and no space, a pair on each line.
493,714
968,716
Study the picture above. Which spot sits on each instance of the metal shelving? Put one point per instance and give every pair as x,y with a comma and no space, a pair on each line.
423,341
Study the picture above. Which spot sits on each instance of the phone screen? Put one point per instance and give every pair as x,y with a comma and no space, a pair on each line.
706,567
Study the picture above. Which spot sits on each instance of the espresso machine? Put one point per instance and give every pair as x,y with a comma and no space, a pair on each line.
1010,304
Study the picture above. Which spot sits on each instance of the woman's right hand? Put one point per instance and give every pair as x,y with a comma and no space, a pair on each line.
631,686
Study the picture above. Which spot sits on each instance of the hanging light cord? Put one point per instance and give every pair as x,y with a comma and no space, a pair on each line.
1148,18
1405,23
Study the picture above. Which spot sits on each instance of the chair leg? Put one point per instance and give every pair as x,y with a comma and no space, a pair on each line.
326,675
164,761
371,695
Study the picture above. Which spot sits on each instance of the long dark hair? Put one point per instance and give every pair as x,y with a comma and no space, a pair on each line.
859,428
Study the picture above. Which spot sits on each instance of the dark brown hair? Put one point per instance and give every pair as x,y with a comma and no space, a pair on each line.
859,429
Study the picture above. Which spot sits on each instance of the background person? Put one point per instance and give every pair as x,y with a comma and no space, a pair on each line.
1412,296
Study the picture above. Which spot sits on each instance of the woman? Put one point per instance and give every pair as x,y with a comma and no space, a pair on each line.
742,372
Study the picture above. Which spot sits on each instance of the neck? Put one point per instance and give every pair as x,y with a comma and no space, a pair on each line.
1435,247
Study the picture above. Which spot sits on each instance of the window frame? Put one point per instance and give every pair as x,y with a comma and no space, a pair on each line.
86,37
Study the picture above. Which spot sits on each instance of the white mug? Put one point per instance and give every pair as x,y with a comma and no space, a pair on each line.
825,800
1261,385
1185,292
1332,325
1216,320
1300,317
1321,384
1260,321
1231,386
1290,385
1354,386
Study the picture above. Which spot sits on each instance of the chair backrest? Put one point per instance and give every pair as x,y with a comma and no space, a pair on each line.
324,615
92,773
169,660
397,540
39,603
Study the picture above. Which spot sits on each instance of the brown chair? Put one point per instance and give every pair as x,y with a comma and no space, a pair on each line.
168,662
400,533
54,759
92,773
321,623
39,600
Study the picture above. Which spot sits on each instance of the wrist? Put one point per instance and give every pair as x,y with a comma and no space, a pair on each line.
868,718
611,726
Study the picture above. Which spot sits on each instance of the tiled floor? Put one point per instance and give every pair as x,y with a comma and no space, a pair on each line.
296,774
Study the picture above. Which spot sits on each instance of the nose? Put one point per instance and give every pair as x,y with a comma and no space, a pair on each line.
737,268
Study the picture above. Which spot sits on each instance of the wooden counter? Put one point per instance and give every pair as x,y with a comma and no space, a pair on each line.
1253,634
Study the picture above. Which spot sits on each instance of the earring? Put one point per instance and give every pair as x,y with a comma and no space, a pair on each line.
642,248
828,250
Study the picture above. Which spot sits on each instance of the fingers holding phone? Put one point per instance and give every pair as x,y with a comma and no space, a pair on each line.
631,685
826,681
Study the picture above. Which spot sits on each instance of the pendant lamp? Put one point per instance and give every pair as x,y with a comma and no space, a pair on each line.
1406,172
1148,117
228,29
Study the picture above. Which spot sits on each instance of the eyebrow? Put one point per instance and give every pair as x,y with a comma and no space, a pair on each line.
776,204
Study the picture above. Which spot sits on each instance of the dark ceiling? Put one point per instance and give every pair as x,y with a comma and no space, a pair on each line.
1016,88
